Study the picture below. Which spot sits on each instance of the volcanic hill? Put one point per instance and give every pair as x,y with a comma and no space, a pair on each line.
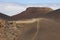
32,12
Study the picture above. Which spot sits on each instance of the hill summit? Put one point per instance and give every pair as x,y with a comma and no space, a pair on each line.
32,12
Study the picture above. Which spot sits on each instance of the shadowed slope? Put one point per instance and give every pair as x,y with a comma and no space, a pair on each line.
55,14
3,16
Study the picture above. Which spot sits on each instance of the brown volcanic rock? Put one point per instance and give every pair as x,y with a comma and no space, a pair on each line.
38,9
32,12
3,16
54,15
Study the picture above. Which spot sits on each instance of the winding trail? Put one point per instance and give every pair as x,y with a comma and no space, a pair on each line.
36,33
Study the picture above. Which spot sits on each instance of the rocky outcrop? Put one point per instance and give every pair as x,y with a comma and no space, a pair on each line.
38,9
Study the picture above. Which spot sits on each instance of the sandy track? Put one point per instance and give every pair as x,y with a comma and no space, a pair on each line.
48,30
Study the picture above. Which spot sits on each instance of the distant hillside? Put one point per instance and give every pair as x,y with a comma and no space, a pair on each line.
3,16
32,12
55,14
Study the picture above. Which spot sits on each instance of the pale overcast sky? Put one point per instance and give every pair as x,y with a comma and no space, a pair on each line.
13,7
